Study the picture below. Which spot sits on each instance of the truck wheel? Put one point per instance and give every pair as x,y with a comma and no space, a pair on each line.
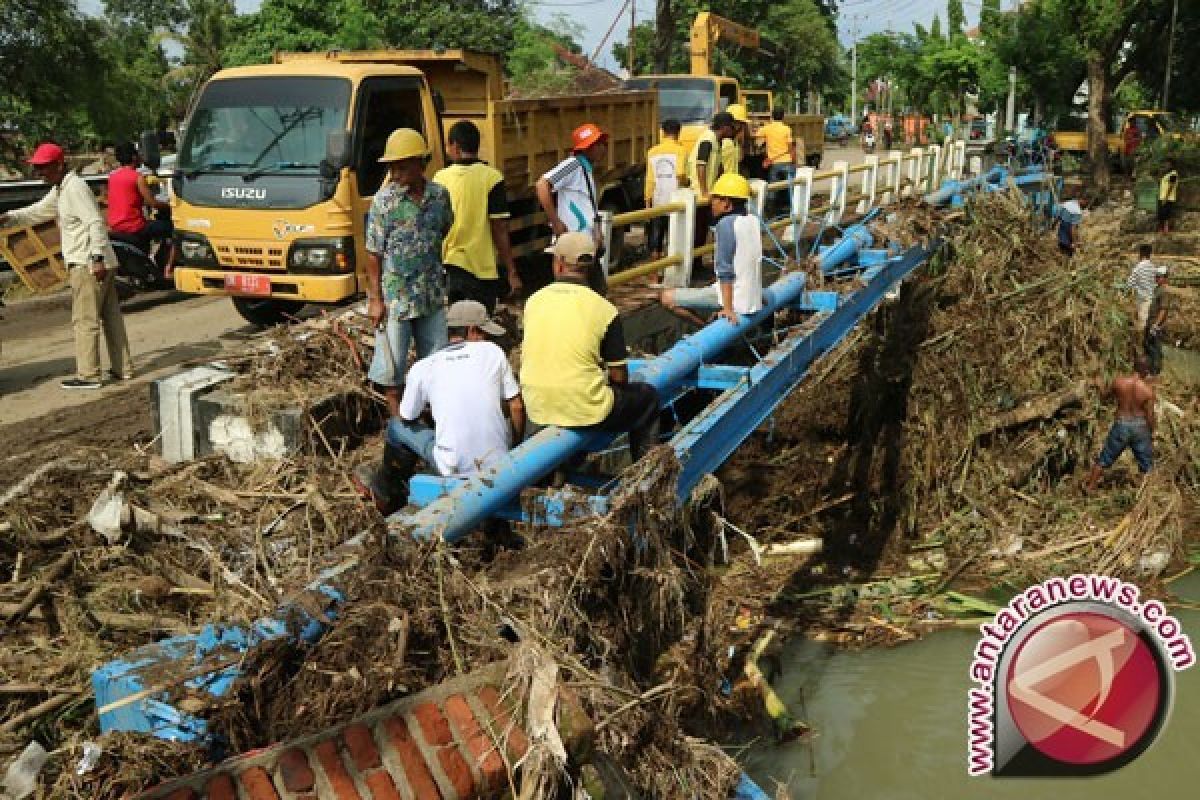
813,160
267,312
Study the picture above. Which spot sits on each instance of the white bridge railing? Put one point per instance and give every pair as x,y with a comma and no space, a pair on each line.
820,197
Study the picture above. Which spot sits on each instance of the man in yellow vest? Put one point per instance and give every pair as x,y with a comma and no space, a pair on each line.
704,167
731,149
665,172
1168,188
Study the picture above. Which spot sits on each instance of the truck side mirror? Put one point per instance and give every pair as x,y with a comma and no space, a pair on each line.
148,145
337,149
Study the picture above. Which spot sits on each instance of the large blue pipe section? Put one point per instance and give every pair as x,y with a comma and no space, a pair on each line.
458,513
994,177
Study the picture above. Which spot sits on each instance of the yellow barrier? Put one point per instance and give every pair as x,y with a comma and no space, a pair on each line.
827,175
645,214
859,168
649,268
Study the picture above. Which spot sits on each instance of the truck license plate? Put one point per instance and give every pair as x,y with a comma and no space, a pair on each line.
248,284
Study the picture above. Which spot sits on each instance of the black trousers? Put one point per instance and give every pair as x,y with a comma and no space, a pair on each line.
1152,346
634,411
463,285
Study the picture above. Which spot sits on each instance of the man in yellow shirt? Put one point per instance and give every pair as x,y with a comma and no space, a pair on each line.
665,163
573,355
1168,188
480,229
731,149
779,156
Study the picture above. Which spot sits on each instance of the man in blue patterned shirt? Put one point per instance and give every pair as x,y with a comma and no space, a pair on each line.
408,221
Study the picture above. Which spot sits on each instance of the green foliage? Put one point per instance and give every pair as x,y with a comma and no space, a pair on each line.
956,19
314,25
75,79
533,64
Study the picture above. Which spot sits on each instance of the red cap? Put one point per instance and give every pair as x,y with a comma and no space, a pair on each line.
46,153
587,135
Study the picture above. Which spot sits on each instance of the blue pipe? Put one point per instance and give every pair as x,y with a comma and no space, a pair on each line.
458,513
949,189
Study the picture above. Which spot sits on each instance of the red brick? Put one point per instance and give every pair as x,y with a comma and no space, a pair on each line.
182,794
433,725
361,747
479,744
220,787
294,771
258,785
381,785
335,771
457,770
516,742
415,769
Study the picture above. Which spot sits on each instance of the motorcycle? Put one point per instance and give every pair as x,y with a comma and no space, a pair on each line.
868,142
142,261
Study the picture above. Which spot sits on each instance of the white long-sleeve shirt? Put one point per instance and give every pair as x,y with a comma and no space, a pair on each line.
82,229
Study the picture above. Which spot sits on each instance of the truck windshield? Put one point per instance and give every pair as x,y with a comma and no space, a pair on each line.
262,126
682,99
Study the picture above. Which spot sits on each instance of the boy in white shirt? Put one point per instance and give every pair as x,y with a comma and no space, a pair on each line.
738,260
465,385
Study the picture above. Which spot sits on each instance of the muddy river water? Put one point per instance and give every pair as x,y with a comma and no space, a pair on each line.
891,724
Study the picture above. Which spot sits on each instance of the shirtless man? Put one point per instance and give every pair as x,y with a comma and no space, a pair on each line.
1134,426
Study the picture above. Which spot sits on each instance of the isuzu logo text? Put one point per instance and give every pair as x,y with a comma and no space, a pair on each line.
243,193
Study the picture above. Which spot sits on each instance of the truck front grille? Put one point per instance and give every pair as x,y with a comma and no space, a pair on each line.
246,254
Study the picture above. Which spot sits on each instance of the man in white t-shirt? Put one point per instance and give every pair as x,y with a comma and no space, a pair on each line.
465,385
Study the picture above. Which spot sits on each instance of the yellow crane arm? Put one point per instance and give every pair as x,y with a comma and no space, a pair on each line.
707,30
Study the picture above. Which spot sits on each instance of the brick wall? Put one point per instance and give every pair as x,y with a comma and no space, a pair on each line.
452,742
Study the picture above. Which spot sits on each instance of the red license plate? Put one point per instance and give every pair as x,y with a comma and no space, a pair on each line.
248,284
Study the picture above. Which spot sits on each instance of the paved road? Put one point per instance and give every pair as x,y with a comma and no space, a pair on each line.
165,329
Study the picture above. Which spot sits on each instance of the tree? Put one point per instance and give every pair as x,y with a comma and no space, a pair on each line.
956,20
935,28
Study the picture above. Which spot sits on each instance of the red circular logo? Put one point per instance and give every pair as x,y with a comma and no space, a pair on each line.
1084,688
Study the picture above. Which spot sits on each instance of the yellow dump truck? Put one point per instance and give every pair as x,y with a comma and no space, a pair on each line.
279,162
693,99
1071,135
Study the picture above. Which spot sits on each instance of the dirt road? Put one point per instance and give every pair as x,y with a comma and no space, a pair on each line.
165,330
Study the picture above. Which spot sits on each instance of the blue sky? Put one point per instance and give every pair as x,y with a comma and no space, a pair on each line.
594,17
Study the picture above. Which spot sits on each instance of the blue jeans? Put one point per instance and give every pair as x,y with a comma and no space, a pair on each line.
781,172
429,332
1132,433
413,436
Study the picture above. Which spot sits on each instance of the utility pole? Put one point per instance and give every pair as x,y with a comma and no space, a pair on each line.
1170,56
1010,115
632,35
854,70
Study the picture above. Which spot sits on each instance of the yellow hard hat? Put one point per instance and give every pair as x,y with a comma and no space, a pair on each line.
738,112
404,143
732,185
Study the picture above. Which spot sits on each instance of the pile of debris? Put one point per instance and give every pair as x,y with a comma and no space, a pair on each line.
947,446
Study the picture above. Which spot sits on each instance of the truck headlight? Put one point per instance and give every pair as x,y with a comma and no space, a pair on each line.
322,255
194,250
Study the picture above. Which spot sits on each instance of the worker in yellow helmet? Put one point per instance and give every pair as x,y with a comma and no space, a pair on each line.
731,149
738,289
406,288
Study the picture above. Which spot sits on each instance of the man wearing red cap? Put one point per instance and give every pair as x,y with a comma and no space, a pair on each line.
91,265
567,192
